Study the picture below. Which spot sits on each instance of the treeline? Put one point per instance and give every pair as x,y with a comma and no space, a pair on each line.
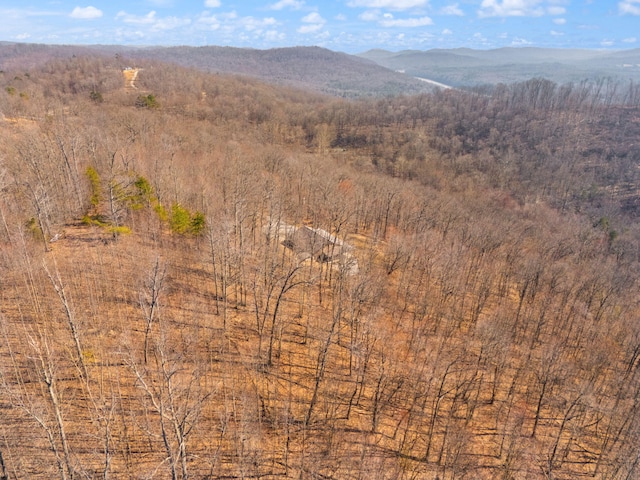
490,329
311,68
570,145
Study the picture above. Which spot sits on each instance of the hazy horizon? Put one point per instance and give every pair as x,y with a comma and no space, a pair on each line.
350,26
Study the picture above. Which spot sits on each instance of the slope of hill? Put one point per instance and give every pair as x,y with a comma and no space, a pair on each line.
25,56
467,67
161,318
311,68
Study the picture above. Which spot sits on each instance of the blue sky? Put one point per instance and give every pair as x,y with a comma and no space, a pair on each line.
350,26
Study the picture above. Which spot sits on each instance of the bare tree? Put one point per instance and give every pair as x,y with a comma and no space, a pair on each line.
150,299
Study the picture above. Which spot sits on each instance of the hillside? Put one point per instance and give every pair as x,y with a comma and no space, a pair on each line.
209,276
467,67
311,68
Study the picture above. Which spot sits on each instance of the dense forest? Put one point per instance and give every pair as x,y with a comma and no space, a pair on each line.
204,276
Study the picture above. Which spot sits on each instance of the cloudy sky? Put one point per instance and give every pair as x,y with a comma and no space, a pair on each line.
351,26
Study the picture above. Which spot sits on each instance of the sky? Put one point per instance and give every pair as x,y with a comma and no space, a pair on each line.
351,26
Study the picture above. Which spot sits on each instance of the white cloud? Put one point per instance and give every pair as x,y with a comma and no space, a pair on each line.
553,33
631,7
452,10
518,42
153,22
23,36
127,35
304,29
478,37
86,13
315,23
214,22
19,14
147,19
406,22
559,21
446,31
169,23
630,40
233,29
161,3
510,8
282,4
390,4
607,43
313,17
369,16
212,3
252,24
556,10
274,36
209,20
387,20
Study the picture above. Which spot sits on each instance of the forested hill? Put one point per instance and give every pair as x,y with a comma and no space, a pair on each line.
311,68
207,276
465,67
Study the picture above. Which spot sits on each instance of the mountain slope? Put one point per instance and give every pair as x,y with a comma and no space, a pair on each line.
310,68
466,67
162,315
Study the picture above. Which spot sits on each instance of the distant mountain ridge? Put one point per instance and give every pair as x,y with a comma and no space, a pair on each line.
312,68
468,67
375,73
